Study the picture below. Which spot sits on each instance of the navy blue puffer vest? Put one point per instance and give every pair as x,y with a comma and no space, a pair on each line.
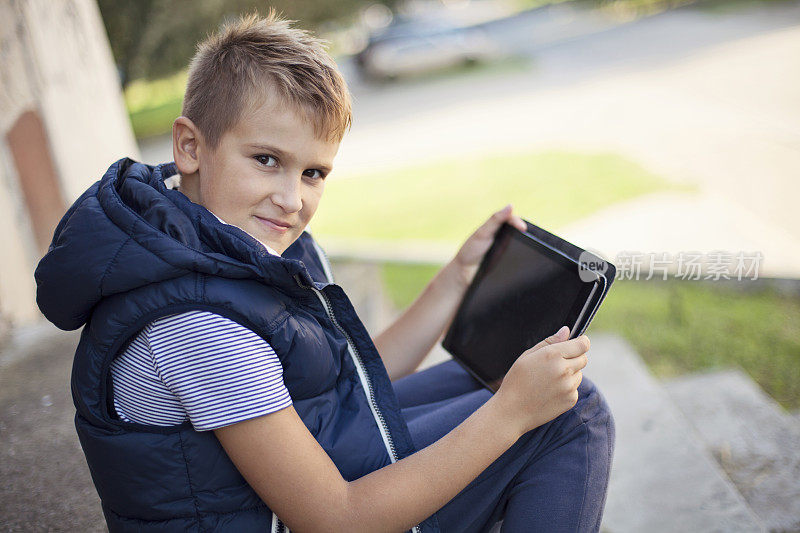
129,251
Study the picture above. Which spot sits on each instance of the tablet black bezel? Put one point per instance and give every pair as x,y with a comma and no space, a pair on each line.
507,231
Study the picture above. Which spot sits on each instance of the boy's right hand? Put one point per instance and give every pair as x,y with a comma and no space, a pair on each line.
543,381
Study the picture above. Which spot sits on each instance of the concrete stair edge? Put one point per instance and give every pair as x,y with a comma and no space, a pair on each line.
751,436
663,478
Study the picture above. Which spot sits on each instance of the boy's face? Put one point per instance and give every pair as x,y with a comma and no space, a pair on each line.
267,174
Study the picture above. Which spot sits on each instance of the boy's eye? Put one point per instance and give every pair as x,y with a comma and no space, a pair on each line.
310,173
266,160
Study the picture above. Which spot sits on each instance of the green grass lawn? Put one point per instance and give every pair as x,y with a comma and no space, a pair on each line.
680,326
154,105
447,200
156,120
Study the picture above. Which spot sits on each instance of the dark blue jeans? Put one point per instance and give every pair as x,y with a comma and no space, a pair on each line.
554,478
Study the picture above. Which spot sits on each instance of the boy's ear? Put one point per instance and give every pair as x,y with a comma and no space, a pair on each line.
185,145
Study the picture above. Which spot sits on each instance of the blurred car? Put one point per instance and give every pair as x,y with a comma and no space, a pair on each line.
415,46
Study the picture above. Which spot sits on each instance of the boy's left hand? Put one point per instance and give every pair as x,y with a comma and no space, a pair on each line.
469,256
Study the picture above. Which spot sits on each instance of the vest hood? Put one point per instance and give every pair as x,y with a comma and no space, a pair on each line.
140,232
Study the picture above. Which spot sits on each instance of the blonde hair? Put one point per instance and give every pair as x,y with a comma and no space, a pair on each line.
233,67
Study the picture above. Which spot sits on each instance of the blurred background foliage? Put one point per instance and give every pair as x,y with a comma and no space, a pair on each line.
152,39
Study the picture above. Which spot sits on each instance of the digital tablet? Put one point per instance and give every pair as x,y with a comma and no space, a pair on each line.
528,285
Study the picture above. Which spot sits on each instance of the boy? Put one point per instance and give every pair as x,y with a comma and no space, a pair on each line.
222,379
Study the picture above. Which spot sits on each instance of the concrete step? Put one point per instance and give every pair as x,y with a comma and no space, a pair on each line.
662,477
752,437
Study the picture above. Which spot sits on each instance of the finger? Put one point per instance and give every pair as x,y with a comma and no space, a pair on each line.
578,379
559,336
573,347
518,223
576,364
513,219
490,227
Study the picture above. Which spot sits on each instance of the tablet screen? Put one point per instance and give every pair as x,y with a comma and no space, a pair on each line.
523,292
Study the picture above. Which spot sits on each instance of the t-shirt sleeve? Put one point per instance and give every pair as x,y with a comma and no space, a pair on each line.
220,371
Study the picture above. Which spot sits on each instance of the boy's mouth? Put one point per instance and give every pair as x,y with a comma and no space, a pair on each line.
271,223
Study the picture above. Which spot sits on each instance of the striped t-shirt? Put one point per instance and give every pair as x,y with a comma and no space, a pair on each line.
198,366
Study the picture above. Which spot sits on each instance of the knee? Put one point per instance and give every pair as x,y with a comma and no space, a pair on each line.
594,410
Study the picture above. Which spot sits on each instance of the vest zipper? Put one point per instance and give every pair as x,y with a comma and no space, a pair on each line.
277,525
326,264
366,383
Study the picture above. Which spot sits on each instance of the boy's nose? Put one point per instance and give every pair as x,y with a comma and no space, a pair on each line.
288,196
